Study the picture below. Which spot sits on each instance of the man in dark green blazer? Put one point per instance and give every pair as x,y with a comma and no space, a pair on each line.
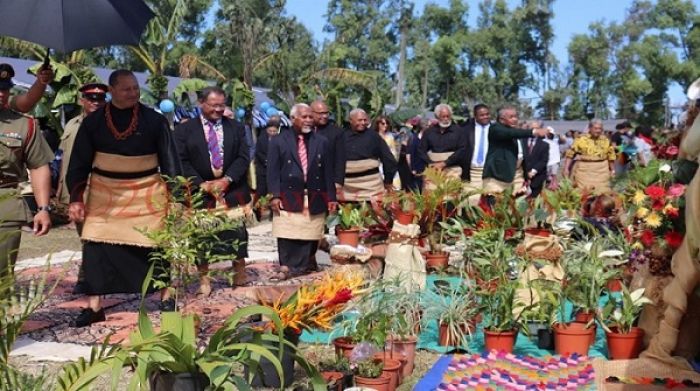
502,157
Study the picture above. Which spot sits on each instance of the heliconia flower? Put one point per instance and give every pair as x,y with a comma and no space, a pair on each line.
673,239
676,190
341,297
655,191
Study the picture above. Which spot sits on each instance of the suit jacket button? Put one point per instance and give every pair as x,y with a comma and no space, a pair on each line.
316,177
290,174
289,162
290,187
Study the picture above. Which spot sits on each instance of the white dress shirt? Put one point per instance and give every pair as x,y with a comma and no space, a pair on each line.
477,141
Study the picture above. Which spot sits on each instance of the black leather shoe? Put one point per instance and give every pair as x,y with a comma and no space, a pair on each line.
87,317
167,305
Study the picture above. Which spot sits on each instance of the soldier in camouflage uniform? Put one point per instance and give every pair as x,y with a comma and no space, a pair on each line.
22,147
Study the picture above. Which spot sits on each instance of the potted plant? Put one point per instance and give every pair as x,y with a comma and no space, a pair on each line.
407,314
544,313
348,222
337,373
189,235
501,323
620,315
402,206
566,199
437,205
456,314
369,373
172,359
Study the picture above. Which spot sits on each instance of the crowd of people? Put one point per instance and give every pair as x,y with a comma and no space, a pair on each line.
115,155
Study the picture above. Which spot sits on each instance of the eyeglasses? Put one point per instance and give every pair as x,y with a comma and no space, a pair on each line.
216,107
95,99
321,112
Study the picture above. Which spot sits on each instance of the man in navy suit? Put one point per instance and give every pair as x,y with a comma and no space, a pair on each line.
535,158
214,156
300,178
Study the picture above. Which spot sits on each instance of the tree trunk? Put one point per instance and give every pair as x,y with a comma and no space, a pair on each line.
402,65
424,98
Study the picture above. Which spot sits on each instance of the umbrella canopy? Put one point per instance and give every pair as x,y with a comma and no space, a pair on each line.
68,25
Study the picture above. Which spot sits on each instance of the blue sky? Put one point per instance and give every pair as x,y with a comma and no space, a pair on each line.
570,17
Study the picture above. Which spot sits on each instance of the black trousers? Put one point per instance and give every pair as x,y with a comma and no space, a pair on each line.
296,254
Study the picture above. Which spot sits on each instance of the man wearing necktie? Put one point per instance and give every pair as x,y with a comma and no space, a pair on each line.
535,161
214,155
300,178
477,130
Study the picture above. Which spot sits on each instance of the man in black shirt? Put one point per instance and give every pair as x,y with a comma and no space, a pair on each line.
334,134
444,146
364,153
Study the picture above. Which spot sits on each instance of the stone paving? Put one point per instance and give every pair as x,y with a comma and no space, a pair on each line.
48,337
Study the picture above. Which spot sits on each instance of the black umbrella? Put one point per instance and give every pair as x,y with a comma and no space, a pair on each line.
68,25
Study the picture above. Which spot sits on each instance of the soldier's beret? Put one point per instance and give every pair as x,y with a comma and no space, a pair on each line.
6,75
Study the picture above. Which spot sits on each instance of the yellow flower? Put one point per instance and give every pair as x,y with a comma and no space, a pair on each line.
637,245
638,197
642,213
653,220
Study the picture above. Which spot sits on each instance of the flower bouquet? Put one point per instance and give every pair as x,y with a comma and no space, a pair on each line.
318,304
656,227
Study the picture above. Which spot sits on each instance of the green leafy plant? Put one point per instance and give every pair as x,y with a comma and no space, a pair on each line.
350,216
458,310
189,234
437,205
621,311
174,349
497,304
369,368
546,310
17,302
588,266
565,198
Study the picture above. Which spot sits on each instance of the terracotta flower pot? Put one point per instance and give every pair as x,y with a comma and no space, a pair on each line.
625,346
381,383
351,237
446,338
403,217
572,338
407,347
333,379
437,261
392,367
500,340
344,346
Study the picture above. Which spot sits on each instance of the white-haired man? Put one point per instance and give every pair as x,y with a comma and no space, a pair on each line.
300,179
444,146
364,152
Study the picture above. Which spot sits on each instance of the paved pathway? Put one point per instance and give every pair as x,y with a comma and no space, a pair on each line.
47,336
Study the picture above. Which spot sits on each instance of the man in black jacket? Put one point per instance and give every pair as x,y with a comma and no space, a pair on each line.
536,156
214,154
300,179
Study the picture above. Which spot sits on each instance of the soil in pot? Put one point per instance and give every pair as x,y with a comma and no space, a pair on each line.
168,381
500,340
334,380
625,346
380,384
407,347
351,237
344,346
403,217
545,339
572,338
437,261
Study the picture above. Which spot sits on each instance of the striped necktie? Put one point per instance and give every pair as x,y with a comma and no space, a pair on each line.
214,150
301,148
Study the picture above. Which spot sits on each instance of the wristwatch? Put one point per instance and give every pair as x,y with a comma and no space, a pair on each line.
228,178
47,208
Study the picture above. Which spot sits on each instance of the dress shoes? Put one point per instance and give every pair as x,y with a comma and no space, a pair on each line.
87,317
